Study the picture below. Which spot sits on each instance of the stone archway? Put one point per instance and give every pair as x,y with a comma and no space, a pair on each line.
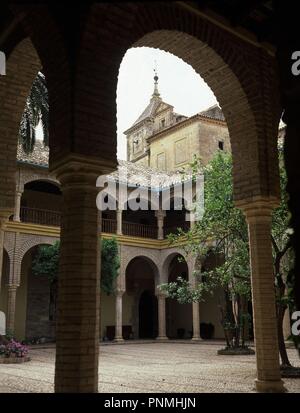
236,72
179,317
141,280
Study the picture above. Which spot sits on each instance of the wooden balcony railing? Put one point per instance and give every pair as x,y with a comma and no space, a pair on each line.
109,226
129,228
53,218
40,216
139,230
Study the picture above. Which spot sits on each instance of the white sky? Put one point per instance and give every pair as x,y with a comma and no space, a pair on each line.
178,84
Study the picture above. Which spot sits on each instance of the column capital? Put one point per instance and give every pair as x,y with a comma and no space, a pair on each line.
119,292
12,286
160,294
73,169
258,207
160,214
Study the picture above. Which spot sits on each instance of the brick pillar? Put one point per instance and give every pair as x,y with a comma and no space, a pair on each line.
160,223
11,308
119,221
119,316
77,328
258,216
3,220
161,316
17,206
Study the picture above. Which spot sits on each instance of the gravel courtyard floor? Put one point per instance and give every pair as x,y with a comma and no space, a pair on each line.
148,367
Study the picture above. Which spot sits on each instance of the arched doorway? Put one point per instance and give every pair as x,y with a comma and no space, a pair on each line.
35,302
148,315
140,302
179,317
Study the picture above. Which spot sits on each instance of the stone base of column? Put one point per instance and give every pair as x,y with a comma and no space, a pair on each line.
118,339
162,338
196,339
269,386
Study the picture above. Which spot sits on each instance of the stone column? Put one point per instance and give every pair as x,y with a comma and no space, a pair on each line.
192,220
195,306
119,316
17,206
78,301
160,223
258,216
11,308
119,221
196,322
161,317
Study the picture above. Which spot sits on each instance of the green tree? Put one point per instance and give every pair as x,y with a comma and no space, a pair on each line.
110,264
221,232
36,110
283,258
226,225
47,260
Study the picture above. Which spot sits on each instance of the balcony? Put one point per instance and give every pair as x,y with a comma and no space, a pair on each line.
52,218
109,226
132,229
40,216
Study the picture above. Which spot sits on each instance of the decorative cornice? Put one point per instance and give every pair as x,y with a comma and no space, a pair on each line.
184,123
258,206
34,229
74,162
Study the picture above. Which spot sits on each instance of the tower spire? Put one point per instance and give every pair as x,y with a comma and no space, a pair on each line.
155,92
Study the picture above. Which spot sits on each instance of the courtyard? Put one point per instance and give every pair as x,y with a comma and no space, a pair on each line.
147,367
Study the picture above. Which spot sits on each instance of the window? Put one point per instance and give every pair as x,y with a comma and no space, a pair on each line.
161,161
162,123
180,151
221,145
137,144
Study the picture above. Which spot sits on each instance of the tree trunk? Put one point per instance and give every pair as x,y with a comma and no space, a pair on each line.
282,349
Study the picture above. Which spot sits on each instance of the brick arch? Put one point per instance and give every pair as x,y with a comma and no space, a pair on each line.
233,71
21,69
51,180
24,246
151,261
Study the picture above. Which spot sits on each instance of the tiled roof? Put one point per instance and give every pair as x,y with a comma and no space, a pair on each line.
136,174
214,112
144,176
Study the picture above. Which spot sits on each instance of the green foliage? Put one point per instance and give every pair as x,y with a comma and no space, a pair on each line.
223,224
110,264
36,110
46,261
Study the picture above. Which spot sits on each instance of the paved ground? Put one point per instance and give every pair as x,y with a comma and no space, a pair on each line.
151,367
